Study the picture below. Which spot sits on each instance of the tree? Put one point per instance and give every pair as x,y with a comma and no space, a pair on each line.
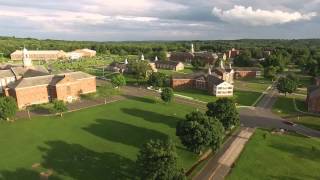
197,63
286,85
118,80
167,94
199,131
243,60
158,160
270,72
8,107
139,69
157,79
59,107
105,91
225,110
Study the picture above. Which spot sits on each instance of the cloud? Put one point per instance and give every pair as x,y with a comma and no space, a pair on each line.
259,17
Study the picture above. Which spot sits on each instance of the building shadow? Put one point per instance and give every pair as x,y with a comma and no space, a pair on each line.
78,162
123,133
153,117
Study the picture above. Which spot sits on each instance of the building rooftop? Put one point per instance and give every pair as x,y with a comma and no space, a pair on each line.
50,79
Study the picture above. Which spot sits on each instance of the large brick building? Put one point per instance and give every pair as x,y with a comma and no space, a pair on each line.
247,72
233,53
210,82
204,56
39,55
170,65
313,99
30,84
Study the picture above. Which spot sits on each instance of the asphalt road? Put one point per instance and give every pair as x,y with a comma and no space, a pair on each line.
261,116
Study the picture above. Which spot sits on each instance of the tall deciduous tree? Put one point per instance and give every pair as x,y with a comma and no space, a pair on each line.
157,79
158,160
167,94
198,131
286,85
59,107
225,110
8,107
118,80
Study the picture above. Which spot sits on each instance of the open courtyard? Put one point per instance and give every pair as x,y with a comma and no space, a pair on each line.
95,143
278,156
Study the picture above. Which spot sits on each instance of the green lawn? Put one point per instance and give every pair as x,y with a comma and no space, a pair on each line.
252,84
187,70
278,157
244,98
285,108
95,143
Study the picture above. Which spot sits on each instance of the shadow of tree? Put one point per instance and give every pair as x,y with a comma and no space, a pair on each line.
24,174
78,162
141,99
123,133
153,117
298,151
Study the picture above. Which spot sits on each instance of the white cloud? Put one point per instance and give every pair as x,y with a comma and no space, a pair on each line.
259,17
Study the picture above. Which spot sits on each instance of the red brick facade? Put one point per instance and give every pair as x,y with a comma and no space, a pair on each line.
245,74
66,90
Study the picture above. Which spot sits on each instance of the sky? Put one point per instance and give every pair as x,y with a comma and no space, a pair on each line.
139,20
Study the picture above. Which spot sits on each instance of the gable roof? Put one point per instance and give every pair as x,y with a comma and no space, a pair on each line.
173,63
215,79
6,73
50,79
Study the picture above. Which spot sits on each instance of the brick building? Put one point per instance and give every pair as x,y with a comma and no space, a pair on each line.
247,72
171,65
30,84
232,53
43,55
210,82
205,56
313,99
317,81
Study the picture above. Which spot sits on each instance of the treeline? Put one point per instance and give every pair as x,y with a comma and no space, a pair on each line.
305,52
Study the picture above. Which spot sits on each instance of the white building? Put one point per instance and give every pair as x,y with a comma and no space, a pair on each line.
219,87
74,55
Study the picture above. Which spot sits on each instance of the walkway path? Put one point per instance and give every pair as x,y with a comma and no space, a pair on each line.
220,164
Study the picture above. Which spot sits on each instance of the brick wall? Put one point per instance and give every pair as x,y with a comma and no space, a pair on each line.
245,74
71,91
182,83
314,104
31,95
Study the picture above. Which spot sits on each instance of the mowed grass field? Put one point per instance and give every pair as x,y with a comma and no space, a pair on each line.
243,98
95,143
278,157
284,107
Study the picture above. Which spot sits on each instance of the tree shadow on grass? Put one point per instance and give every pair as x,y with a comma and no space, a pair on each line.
22,174
141,99
78,162
299,151
153,117
123,133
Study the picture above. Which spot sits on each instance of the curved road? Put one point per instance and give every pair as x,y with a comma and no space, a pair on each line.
261,116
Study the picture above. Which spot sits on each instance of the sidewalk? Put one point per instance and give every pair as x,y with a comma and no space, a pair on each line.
221,163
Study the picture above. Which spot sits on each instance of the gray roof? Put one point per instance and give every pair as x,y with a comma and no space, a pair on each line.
6,73
173,63
215,79
49,79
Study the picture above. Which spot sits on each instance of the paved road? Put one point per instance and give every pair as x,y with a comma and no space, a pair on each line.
261,116
220,165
